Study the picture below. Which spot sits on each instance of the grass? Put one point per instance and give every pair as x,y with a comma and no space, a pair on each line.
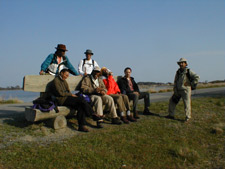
10,101
152,142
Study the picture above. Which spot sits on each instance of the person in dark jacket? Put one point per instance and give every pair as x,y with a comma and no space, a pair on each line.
129,87
64,97
57,61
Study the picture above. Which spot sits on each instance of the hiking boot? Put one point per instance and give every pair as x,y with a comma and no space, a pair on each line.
136,116
169,117
99,124
131,119
147,112
83,128
124,119
116,121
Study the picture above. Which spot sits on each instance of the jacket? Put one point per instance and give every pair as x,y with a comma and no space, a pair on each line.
87,85
60,89
182,82
111,85
124,86
52,59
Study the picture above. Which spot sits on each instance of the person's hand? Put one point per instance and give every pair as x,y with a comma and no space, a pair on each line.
103,92
136,93
73,95
98,90
41,72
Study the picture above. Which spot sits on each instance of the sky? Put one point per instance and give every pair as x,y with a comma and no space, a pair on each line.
149,36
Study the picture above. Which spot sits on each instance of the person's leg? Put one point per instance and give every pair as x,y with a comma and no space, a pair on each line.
97,103
134,98
127,105
145,96
109,105
78,104
174,100
118,100
186,96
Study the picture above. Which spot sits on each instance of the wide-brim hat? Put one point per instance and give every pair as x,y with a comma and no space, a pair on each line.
88,51
61,47
182,60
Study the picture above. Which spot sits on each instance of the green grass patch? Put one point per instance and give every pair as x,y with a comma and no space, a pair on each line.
152,142
10,101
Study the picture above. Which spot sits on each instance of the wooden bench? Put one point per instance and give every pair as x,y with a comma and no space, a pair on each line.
41,83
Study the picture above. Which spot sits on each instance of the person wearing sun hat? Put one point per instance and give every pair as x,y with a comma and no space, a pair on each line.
56,61
86,65
185,80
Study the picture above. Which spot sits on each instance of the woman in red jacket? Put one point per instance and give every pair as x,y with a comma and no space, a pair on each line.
121,100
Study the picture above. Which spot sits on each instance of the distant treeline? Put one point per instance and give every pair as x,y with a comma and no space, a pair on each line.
11,88
153,83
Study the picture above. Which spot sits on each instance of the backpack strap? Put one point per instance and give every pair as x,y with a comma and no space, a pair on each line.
93,62
188,75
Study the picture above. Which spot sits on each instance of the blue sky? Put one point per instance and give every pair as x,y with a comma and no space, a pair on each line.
147,35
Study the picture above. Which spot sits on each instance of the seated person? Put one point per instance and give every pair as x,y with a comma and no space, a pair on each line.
86,65
121,100
129,87
64,97
56,61
92,85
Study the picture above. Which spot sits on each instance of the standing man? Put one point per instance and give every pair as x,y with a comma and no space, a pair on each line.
57,61
92,85
86,65
129,87
184,81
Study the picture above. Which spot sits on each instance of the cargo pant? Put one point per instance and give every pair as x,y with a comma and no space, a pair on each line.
122,102
186,97
106,100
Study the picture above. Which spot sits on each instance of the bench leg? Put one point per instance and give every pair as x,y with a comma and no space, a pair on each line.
57,122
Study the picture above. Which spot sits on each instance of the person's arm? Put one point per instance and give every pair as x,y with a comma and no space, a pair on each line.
122,86
136,88
194,77
96,64
115,86
102,85
71,68
46,63
60,91
80,67
175,83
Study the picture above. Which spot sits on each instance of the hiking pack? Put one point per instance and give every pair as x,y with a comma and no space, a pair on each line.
45,105
193,85
93,62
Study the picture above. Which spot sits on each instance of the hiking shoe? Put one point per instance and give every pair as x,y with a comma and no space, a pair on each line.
147,112
116,121
96,117
131,119
83,129
169,117
124,119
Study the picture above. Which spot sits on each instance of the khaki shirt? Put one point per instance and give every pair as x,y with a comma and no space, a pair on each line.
181,81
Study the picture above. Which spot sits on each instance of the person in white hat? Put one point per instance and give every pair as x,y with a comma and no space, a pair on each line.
92,85
185,81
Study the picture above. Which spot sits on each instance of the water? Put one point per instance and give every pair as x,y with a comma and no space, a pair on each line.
19,94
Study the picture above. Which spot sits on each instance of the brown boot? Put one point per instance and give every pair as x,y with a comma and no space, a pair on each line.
131,119
83,128
124,119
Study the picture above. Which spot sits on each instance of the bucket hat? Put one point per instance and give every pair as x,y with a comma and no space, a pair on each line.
182,60
89,51
61,47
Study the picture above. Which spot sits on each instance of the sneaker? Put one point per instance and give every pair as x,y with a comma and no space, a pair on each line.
124,119
83,129
116,121
169,117
131,119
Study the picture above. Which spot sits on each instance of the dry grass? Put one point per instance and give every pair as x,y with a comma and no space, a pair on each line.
10,101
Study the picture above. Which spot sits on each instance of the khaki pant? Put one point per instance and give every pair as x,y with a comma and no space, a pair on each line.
186,97
106,100
122,102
